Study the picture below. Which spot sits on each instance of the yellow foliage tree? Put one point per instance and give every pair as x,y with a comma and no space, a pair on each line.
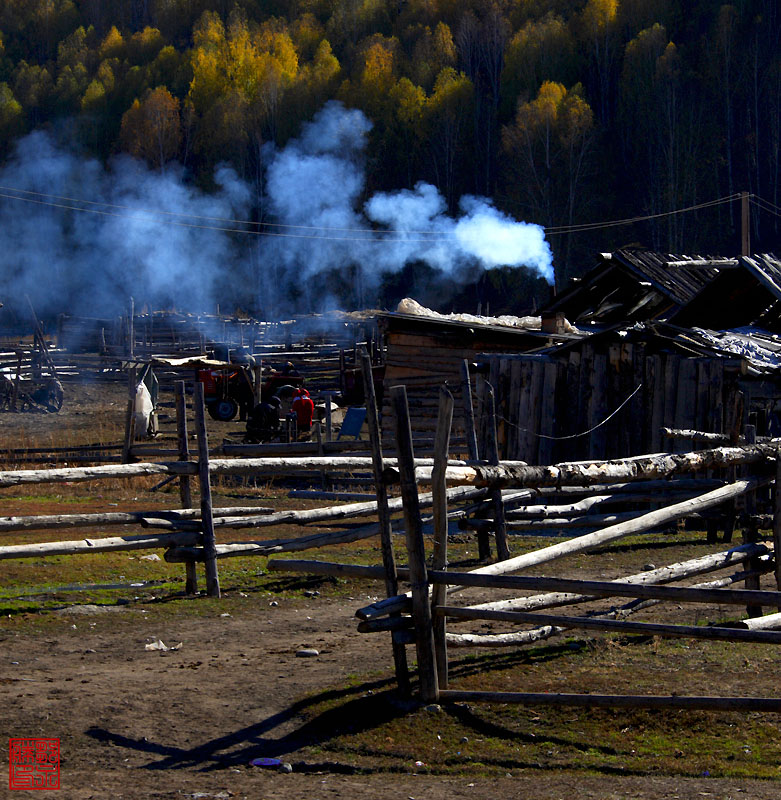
547,145
152,129
376,79
11,116
113,45
239,78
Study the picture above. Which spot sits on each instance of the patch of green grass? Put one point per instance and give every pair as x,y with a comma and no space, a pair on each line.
494,739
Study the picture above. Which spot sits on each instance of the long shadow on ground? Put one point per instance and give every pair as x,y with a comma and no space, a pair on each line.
364,711
352,710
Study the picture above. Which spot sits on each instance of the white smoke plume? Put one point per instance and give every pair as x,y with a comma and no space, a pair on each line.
313,187
482,233
80,238
83,238
315,184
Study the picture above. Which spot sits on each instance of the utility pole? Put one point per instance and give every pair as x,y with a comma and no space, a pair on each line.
745,232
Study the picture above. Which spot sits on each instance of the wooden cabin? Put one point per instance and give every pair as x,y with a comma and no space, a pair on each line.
423,353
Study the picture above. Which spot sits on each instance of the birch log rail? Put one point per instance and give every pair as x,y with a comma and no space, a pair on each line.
615,588
345,511
235,466
619,626
547,631
506,474
667,574
546,523
322,539
101,545
597,501
610,534
53,521
269,546
588,473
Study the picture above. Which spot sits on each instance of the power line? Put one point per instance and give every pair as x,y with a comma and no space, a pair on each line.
283,230
574,435
765,205
372,236
37,198
588,226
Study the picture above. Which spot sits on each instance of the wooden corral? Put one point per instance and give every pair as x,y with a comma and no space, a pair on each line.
419,616
694,482
171,333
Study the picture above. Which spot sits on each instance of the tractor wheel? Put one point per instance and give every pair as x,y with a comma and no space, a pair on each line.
223,410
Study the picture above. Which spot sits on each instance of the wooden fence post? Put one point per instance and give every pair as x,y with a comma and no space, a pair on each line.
469,412
185,494
386,531
207,519
130,418
329,396
17,380
483,542
439,561
777,525
421,608
750,530
131,333
500,524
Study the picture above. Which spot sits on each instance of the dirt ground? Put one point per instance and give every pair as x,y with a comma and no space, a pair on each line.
136,723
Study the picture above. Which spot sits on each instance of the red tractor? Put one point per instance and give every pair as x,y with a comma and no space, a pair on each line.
230,390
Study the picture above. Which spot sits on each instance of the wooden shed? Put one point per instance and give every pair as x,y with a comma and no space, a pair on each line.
422,353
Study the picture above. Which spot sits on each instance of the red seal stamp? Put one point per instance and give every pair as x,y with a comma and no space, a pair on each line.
34,763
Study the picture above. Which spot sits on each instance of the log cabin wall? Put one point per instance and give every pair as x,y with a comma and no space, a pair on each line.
423,353
612,402
423,363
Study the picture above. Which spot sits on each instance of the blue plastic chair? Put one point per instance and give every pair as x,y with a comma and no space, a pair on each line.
353,423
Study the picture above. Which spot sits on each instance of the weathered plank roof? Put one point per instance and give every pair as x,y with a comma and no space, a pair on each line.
632,285
468,334
748,294
679,277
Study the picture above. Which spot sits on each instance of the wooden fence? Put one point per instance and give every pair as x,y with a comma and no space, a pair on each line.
419,616
188,534
492,489
614,403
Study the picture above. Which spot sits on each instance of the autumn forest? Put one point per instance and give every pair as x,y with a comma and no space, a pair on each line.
564,114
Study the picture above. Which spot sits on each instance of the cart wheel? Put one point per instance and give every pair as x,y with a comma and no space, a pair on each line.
223,410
